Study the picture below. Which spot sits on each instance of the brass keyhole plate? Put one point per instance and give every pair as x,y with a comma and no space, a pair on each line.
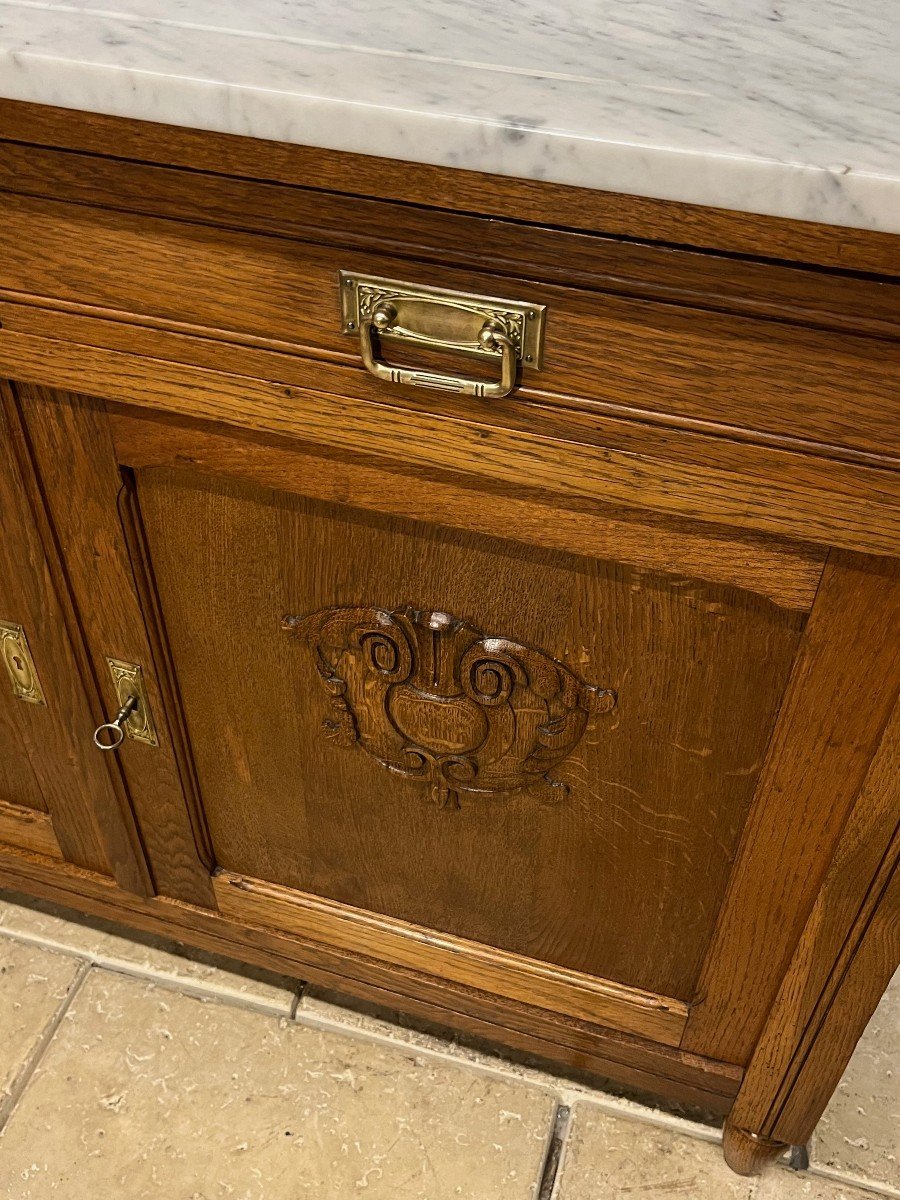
128,680
16,654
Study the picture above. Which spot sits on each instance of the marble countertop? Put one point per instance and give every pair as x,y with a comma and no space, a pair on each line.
787,107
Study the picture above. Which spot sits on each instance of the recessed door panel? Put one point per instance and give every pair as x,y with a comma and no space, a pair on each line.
539,751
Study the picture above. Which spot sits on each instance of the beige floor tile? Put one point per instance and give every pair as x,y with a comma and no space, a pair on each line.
860,1131
789,1185
110,945
33,984
145,1092
613,1158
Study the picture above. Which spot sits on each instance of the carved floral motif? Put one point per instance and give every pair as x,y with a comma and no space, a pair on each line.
432,698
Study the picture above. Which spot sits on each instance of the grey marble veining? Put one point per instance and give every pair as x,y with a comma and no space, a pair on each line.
789,107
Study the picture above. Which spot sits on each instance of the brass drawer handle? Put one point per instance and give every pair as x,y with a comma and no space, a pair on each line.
491,338
484,327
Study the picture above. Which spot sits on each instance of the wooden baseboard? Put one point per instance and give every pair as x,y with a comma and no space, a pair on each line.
571,993
632,1061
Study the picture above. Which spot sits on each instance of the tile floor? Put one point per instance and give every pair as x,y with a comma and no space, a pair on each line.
130,1069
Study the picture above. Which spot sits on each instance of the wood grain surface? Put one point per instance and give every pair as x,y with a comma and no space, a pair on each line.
608,461
92,823
786,572
696,506
73,450
847,954
27,828
783,379
448,189
665,778
842,690
253,902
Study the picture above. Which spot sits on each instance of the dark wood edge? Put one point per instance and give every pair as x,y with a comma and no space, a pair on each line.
624,1058
447,188
749,1153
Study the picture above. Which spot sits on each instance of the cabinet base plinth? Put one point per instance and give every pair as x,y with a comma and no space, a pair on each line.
749,1153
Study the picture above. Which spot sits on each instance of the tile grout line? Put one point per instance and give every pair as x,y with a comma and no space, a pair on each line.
566,1093
188,987
38,1050
553,1156
330,1025
171,981
866,1187
299,993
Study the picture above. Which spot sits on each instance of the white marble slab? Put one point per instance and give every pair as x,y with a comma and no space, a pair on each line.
783,107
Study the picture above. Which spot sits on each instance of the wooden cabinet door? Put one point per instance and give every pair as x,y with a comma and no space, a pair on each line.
57,797
542,752
469,735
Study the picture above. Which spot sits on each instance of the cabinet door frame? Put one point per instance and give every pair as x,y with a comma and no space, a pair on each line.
68,444
845,677
89,822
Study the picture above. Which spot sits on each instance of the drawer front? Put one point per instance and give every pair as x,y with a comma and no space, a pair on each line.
604,351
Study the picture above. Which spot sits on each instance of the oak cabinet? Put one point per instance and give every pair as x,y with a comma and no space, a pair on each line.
567,719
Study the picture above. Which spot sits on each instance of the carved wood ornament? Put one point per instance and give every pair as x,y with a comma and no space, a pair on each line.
432,698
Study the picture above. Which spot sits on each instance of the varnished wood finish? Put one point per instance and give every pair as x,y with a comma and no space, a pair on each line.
842,690
694,513
437,700
71,445
783,379
632,1060
844,960
666,776
253,902
605,460
788,573
749,1153
444,188
718,283
89,822
27,828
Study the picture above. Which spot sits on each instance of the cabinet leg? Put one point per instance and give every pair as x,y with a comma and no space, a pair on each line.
748,1153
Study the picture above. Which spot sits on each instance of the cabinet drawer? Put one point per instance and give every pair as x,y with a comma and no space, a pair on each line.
780,380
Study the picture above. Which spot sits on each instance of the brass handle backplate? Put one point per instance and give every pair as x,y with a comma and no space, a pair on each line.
510,331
